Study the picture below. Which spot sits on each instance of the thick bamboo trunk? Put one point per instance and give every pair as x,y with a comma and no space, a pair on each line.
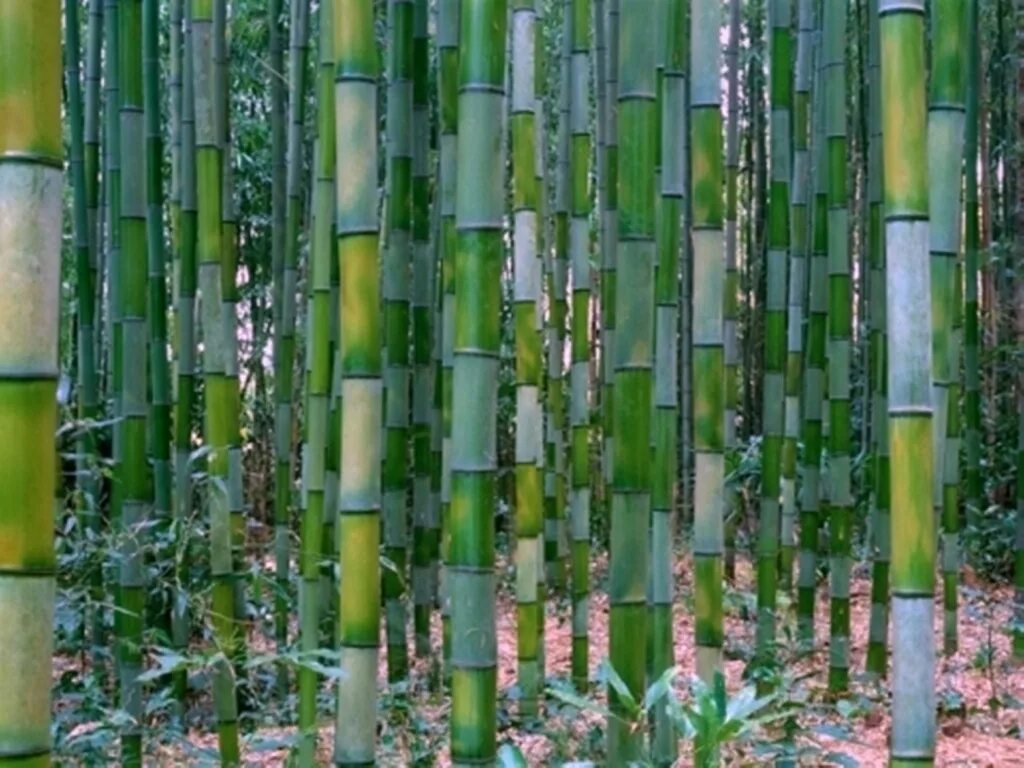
908,309
31,160
529,353
479,210
945,155
359,498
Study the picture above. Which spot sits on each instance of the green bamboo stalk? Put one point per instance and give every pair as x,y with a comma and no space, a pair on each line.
397,260
814,367
773,406
608,253
30,238
479,209
448,47
184,318
231,409
318,391
631,501
730,306
84,179
908,310
708,332
556,280
600,500
159,369
578,22
133,477
839,346
355,94
112,190
424,519
972,248
799,234
176,44
947,91
529,353
217,384
878,630
278,194
540,175
664,428
284,357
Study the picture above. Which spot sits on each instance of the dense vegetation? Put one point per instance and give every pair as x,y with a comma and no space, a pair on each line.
437,374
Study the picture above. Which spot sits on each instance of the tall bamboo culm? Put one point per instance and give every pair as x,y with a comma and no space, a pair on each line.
972,252
479,254
814,367
395,288
632,407
318,384
529,353
84,179
946,108
774,402
839,347
610,224
447,82
730,307
359,500
578,14
185,341
31,165
156,300
424,517
706,163
89,483
217,384
133,477
904,132
878,629
796,294
284,347
664,428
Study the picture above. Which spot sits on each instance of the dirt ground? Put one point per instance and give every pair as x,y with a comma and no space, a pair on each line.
981,722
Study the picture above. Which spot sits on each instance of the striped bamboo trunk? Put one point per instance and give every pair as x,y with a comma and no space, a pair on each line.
395,292
529,353
424,518
448,48
479,209
904,132
878,629
359,498
946,115
634,337
133,475
664,427
31,163
578,27
318,392
839,346
706,162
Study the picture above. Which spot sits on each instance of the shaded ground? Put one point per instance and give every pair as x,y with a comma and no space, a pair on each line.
981,721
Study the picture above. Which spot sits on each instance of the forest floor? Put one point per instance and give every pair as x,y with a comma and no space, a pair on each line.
980,691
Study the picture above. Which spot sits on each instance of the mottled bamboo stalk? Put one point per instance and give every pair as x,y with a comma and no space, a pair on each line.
904,131
31,164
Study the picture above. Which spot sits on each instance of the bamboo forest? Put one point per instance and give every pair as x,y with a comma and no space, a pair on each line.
511,383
